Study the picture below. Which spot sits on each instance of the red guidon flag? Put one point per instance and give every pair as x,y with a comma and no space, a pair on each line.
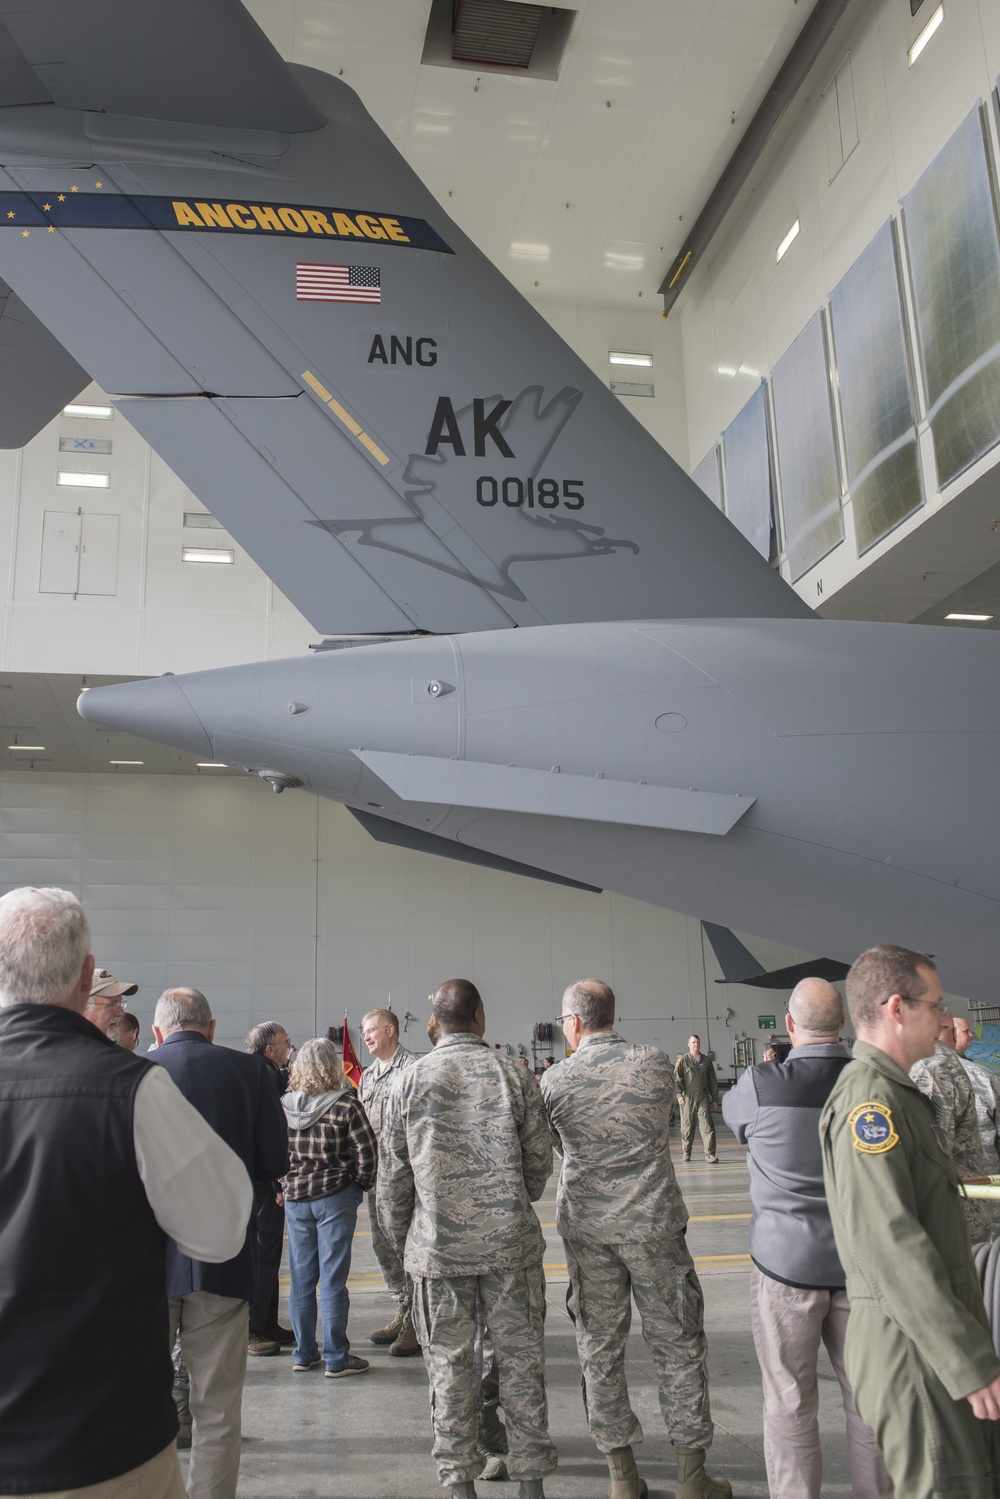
337,283
352,1067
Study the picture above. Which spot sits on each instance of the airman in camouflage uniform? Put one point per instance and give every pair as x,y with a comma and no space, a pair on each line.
943,1080
986,1087
622,1217
465,1152
380,1033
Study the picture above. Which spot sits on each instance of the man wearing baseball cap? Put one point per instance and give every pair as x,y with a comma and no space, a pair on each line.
107,999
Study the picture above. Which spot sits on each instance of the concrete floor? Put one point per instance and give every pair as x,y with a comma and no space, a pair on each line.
370,1436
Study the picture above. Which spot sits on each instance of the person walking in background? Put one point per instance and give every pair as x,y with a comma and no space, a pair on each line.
698,1095
797,1295
333,1155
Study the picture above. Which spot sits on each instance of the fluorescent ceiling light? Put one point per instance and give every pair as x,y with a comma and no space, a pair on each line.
93,413
32,747
925,36
646,360
523,251
978,619
789,237
83,481
212,764
200,520
207,554
126,762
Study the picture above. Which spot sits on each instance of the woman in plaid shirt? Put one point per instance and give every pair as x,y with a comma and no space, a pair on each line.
333,1157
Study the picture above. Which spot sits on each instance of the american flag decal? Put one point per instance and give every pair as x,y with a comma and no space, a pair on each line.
337,283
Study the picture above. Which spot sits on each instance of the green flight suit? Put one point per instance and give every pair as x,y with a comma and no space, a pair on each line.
918,1340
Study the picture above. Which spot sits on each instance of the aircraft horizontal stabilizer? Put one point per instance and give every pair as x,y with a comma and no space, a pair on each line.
508,788
739,966
37,376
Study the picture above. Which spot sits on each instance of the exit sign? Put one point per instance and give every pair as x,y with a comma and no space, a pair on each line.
766,1023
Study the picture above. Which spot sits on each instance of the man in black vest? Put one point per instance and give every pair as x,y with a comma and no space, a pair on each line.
89,1140
209,1302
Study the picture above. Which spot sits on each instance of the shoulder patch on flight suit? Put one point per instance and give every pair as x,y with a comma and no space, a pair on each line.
872,1129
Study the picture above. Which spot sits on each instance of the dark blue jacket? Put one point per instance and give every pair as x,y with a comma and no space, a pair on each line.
235,1094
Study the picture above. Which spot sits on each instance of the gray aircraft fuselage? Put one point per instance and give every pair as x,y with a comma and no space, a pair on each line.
850,768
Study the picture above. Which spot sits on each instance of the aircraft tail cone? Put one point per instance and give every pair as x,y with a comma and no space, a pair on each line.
155,709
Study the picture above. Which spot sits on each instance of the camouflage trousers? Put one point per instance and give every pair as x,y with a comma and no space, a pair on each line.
396,1279
660,1274
444,1317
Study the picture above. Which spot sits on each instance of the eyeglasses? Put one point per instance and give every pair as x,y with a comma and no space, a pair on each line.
108,1004
938,1005
562,1019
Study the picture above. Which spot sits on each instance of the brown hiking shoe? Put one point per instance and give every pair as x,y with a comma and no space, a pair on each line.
260,1347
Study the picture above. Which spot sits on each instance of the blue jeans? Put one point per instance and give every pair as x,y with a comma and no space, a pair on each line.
320,1234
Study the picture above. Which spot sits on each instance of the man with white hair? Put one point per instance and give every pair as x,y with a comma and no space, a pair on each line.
209,1303
797,1294
106,1002
92,1139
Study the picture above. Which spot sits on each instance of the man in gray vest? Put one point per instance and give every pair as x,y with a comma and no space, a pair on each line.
797,1296
380,1033
92,1137
622,1219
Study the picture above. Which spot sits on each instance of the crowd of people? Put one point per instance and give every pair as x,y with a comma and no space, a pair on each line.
179,1173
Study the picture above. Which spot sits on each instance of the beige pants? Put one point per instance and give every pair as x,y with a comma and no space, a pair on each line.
213,1332
788,1327
160,1478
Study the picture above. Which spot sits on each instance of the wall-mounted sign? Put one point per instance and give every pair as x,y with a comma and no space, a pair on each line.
766,1023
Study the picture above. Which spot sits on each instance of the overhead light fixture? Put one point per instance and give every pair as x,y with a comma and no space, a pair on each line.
520,250
788,239
126,762
646,360
35,748
91,413
200,520
211,765
974,619
925,36
207,554
83,481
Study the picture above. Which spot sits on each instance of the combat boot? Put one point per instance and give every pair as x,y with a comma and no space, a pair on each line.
405,1343
692,1480
392,1330
494,1467
625,1481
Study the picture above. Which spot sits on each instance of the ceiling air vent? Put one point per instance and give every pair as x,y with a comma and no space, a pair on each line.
497,36
497,32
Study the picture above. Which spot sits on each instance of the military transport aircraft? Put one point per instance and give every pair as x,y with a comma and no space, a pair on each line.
596,678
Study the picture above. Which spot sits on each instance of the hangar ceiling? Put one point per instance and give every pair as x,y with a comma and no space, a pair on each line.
580,189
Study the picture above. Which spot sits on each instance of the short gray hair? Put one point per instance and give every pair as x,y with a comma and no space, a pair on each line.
177,1009
592,1002
44,942
261,1036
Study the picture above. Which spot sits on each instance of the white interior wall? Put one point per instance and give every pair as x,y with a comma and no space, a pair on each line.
742,308
282,907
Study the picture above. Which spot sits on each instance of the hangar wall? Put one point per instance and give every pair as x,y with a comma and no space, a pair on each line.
284,908
850,153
